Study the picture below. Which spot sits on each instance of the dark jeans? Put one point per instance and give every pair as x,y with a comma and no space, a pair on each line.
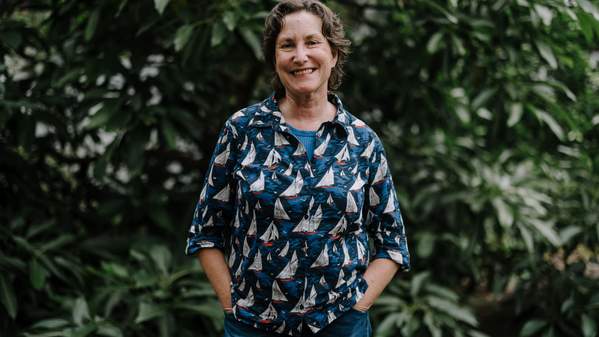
351,324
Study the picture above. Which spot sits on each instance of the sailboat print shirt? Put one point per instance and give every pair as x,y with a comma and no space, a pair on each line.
296,230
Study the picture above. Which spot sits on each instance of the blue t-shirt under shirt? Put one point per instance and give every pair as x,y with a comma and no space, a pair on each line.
308,138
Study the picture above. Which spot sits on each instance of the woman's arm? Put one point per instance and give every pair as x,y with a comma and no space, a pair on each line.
378,274
216,269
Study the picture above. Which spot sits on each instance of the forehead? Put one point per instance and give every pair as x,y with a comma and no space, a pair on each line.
300,24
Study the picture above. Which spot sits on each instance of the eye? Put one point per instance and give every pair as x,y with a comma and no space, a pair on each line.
285,45
312,42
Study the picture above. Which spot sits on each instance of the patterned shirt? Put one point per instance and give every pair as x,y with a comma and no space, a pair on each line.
295,230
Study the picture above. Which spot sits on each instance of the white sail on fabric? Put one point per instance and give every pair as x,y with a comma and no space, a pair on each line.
328,179
250,157
277,293
296,186
258,185
288,271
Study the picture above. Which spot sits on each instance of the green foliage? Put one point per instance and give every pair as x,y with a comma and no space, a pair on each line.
488,110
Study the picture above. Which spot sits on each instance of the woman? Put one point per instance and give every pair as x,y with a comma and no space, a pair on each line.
295,188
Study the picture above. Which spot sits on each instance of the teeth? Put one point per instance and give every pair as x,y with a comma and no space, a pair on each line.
301,72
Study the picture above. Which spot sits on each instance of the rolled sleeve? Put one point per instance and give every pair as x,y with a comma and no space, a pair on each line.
215,207
384,221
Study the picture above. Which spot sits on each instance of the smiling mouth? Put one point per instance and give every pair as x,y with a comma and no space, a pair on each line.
303,71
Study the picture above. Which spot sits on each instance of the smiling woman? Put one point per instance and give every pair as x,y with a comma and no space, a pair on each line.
296,187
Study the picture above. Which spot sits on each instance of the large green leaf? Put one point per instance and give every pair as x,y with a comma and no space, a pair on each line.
453,310
8,298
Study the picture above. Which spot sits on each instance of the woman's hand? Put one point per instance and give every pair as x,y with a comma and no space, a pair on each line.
378,274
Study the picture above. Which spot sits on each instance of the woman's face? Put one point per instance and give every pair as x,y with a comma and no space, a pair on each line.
303,56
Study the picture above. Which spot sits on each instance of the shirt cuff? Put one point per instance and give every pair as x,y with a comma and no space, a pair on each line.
401,258
195,244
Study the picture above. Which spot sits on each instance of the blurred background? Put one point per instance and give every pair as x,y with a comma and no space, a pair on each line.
489,111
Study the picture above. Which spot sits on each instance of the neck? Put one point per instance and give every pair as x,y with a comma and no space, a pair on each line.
307,111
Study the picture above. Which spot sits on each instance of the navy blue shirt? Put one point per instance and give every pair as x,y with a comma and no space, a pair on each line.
294,227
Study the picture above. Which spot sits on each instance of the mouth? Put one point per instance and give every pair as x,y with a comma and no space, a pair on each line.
299,72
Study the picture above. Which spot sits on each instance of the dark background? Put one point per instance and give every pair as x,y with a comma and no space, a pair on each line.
489,112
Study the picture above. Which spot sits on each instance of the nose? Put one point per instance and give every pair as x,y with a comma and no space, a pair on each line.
301,54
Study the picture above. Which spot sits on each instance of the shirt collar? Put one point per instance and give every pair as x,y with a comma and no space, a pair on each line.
268,114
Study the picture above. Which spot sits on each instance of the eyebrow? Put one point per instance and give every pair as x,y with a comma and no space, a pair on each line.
307,37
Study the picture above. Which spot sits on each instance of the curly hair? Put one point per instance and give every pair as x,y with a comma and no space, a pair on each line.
332,29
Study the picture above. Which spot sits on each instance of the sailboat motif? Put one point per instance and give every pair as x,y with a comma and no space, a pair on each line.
277,293
368,151
330,201
284,250
203,193
308,168
272,159
253,227
257,264
251,155
223,195
270,314
289,170
289,271
246,248
303,226
354,171
319,151
280,140
210,178
317,216
357,185
224,138
322,260
323,282
248,301
346,256
331,317
311,300
237,115
390,207
374,198
339,227
381,171
222,158
271,233
281,328
237,221
328,179
279,212
340,280
351,137
299,150
231,260
333,295
260,137
351,206
258,185
245,143
358,123
343,155
314,328
361,250
396,256
296,186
